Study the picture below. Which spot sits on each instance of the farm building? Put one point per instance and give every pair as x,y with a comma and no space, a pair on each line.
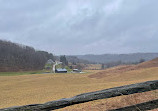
60,71
76,70
50,61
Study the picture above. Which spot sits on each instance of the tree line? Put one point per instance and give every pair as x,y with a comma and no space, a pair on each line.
17,57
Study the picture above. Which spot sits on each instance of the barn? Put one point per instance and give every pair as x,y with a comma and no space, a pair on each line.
61,71
76,71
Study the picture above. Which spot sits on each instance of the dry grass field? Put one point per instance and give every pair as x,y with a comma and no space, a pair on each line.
93,67
39,88
119,79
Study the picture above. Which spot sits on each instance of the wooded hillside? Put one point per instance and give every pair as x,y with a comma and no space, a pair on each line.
114,58
17,57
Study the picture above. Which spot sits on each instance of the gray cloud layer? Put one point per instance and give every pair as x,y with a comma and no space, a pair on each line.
81,26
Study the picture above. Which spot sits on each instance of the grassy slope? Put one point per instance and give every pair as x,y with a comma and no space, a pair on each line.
20,73
40,88
119,79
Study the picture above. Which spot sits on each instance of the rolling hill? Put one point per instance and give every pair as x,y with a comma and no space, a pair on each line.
126,58
126,68
41,88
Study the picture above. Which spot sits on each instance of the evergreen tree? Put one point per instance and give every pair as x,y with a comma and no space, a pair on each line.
64,60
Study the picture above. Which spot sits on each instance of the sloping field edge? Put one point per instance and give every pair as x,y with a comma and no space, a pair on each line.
86,97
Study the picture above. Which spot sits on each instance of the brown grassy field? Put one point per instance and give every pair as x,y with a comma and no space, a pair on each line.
40,88
93,67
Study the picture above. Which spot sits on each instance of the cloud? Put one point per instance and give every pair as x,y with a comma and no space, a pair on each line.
81,26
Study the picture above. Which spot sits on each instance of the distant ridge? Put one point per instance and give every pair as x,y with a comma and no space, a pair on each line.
107,58
125,68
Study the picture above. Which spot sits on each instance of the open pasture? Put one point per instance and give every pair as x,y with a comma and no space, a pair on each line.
41,88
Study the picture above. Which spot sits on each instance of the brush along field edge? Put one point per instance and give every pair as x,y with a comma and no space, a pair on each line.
140,107
85,97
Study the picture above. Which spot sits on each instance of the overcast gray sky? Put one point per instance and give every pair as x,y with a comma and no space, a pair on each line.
81,26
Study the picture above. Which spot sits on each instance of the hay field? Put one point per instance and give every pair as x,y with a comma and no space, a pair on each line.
40,88
93,67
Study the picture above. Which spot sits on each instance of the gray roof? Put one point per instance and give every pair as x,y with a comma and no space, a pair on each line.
50,61
61,70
